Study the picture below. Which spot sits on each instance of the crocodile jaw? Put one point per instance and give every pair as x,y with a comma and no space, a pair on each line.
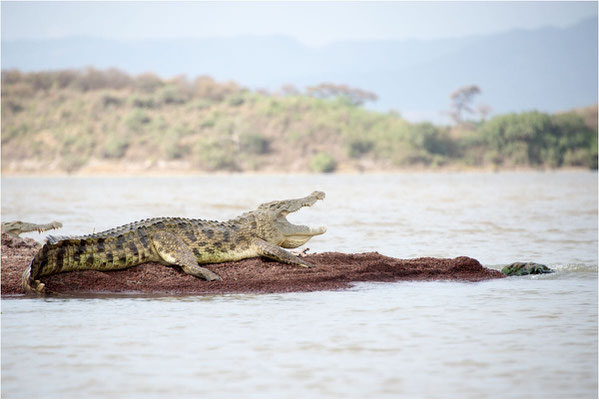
15,228
296,235
279,230
299,235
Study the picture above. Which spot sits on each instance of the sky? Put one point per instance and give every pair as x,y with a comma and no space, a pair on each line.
310,22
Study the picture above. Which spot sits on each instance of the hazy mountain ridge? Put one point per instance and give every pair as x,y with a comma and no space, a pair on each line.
549,69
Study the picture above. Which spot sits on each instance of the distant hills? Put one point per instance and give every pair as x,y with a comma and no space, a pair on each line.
548,69
104,121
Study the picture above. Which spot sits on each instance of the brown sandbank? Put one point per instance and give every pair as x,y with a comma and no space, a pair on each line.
254,275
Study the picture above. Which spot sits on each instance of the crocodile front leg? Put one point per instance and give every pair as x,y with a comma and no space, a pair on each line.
269,250
174,252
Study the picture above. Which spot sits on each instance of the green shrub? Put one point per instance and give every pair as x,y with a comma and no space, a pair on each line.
296,136
173,150
41,81
438,161
236,100
144,102
65,78
13,106
215,155
93,79
406,155
358,147
254,143
323,162
581,158
208,122
11,77
535,138
109,100
71,162
136,120
148,82
274,108
492,157
10,132
429,137
172,95
115,146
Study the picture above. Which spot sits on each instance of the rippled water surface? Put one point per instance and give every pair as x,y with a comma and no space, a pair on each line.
514,337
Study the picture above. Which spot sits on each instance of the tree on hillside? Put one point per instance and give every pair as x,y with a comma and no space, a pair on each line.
484,110
354,96
206,87
461,102
289,90
148,82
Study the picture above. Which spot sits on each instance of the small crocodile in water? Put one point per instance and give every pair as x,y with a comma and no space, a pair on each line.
526,268
184,242
15,228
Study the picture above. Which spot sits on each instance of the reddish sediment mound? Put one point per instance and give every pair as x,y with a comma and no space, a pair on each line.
254,275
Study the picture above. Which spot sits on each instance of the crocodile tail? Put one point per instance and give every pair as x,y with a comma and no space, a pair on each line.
28,282
26,279
44,263
64,254
30,279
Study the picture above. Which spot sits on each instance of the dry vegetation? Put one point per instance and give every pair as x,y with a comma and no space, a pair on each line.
76,119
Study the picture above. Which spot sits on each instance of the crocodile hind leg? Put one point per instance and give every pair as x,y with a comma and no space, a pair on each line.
269,250
175,252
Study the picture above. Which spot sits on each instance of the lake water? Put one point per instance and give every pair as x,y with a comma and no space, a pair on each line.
515,337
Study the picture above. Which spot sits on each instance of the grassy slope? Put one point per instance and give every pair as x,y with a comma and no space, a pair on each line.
209,126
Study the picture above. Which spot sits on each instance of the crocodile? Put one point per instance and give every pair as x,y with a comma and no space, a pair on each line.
526,268
15,228
184,242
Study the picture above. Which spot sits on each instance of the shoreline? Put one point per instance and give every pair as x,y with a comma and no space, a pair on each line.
333,271
184,172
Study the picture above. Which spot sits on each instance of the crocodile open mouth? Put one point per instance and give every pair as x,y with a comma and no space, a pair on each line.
297,235
293,235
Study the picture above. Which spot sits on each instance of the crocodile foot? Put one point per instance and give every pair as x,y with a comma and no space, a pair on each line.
39,286
211,276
